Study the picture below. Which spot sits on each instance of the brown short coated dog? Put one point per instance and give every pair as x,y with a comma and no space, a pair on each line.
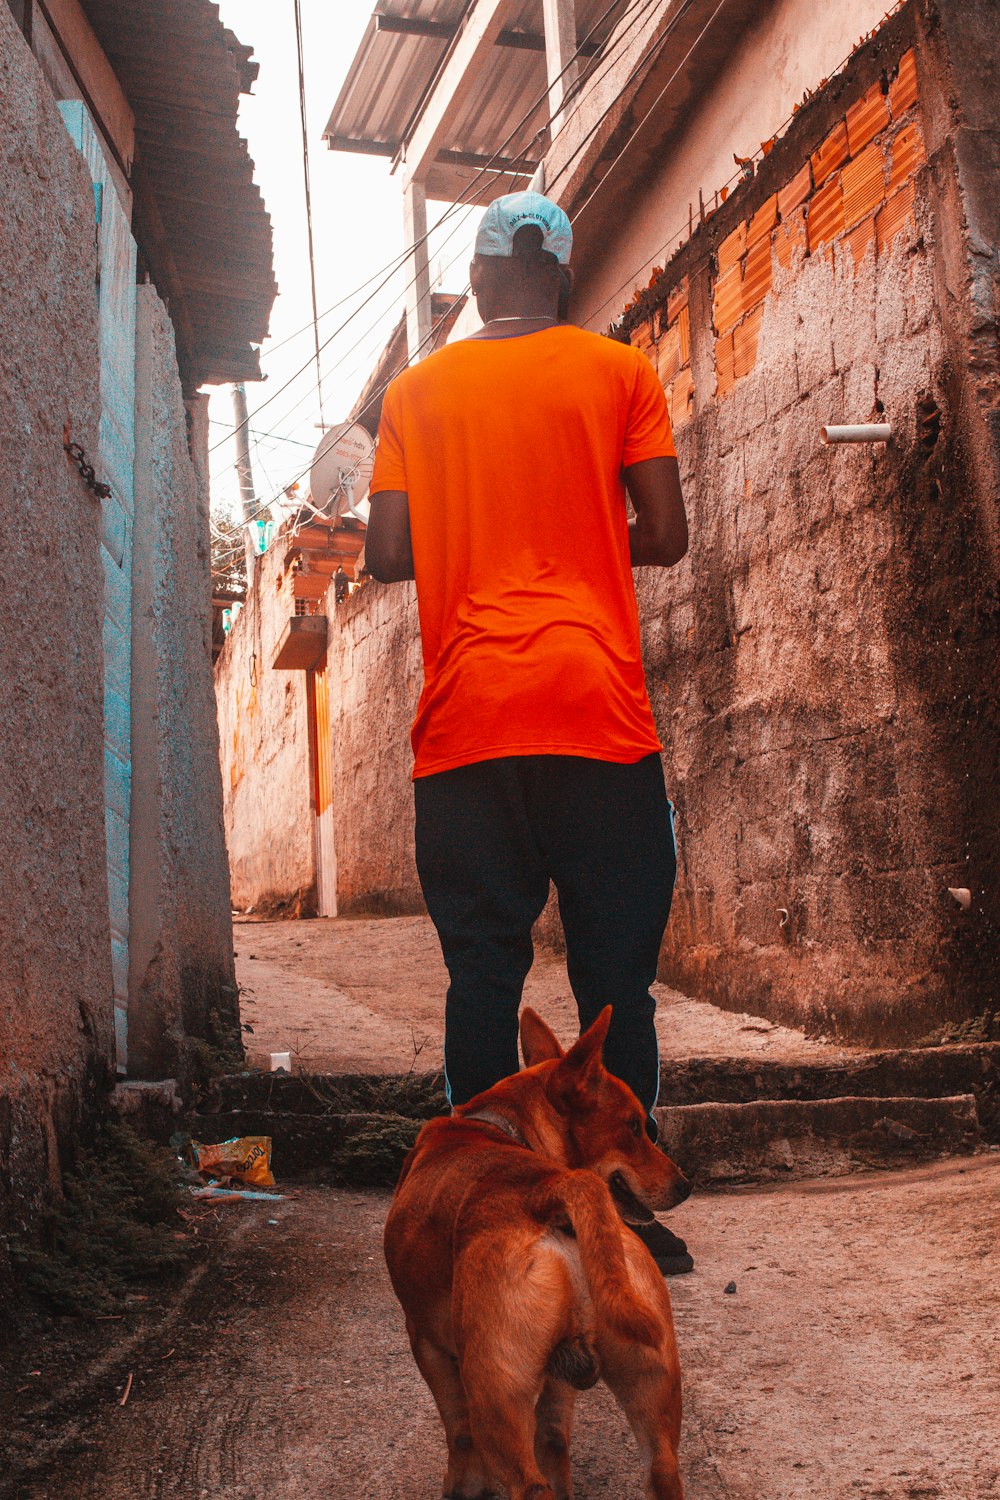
521,1284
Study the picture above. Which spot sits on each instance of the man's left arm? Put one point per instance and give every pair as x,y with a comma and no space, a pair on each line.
658,537
388,550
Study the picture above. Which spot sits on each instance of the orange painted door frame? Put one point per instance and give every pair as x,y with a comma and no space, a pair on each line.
321,788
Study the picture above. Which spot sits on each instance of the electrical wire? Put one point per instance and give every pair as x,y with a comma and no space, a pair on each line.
352,349
661,42
480,176
638,8
642,65
613,164
266,504
615,38
309,218
634,133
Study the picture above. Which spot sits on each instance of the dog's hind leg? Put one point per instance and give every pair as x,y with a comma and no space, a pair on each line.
646,1380
503,1425
553,1430
465,1478
646,1384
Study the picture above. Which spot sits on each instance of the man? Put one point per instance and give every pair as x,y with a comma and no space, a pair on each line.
498,485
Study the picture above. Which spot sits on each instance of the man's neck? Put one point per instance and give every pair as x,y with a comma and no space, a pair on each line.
515,325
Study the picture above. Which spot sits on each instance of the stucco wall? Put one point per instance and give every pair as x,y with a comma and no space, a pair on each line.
376,674
55,955
181,975
264,745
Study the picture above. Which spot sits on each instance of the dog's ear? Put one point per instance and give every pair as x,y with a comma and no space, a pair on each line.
576,1076
538,1042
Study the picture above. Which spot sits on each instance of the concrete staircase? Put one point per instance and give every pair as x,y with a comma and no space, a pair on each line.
723,1119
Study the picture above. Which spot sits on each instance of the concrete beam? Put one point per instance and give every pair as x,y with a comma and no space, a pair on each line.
473,44
418,290
560,51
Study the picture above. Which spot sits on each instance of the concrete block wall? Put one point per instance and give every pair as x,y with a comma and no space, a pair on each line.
56,1037
815,663
376,674
264,749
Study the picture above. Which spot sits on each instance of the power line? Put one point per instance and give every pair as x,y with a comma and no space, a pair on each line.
660,44
697,41
309,219
639,6
480,177
397,260
614,163
275,437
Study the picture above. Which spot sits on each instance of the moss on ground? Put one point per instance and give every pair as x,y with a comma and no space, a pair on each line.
116,1227
983,1028
419,1097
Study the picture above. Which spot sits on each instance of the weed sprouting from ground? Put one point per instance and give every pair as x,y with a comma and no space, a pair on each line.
117,1227
982,1028
373,1156
219,1053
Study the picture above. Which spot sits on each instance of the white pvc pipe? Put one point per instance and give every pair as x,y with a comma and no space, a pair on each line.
860,432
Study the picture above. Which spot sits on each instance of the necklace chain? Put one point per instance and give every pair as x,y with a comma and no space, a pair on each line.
524,318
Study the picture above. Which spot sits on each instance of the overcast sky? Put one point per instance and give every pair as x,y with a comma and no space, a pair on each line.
357,229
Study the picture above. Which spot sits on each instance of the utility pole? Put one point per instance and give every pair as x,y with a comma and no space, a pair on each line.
248,499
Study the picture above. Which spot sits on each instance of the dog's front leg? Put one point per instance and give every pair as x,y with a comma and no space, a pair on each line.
465,1478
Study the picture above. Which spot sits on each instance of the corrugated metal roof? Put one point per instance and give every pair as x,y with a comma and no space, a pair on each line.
198,215
393,73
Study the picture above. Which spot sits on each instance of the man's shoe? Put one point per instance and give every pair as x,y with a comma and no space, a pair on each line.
669,1252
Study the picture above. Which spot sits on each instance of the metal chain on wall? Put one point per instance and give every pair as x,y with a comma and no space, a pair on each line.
87,474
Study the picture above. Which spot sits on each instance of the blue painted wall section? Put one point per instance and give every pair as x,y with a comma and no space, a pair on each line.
116,458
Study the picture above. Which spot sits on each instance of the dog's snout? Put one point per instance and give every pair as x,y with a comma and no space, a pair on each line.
681,1188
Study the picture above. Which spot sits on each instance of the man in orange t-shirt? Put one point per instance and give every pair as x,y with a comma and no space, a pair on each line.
499,484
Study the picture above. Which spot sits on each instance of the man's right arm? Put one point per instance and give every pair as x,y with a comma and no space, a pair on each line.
388,552
658,537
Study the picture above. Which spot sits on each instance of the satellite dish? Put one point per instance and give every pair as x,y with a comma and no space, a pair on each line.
341,471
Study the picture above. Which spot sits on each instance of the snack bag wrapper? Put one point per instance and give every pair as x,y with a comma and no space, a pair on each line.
246,1158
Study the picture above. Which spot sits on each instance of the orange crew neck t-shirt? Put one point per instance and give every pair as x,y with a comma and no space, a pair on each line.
511,453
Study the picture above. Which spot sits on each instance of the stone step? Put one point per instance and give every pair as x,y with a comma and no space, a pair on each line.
714,1143
416,1095
914,1072
719,1144
919,1072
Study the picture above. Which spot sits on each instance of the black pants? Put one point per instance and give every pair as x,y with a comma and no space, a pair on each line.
489,837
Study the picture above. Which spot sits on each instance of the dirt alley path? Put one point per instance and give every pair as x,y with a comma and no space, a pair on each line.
366,995
859,1359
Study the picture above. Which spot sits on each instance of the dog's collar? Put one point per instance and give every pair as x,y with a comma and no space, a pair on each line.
490,1117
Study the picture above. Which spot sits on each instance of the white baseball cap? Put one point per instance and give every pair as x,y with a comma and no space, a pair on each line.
505,216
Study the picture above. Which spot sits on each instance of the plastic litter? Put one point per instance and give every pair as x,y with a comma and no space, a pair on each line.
245,1158
213,1190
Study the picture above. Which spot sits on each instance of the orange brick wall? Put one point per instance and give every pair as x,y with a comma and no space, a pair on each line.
854,193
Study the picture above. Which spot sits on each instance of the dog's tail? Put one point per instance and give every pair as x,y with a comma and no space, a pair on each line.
584,1200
